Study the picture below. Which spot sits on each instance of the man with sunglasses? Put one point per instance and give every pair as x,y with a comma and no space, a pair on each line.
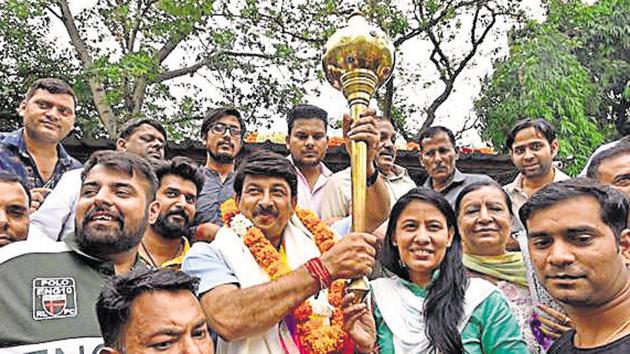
222,131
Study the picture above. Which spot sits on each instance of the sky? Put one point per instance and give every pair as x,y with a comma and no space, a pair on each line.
453,113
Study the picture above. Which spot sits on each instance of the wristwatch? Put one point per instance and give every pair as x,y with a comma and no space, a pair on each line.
372,179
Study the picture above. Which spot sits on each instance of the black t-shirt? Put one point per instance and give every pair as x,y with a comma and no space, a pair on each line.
564,345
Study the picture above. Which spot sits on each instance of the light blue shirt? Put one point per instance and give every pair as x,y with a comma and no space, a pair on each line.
206,263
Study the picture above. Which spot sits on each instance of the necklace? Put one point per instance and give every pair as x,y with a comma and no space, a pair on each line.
153,262
621,330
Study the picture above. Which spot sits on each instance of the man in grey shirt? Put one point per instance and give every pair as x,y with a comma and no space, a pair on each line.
222,131
438,155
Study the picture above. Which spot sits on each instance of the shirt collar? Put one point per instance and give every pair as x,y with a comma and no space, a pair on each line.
398,173
103,266
73,243
458,178
179,259
325,171
517,184
16,139
215,173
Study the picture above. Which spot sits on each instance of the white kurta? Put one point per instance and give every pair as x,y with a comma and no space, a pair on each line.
299,247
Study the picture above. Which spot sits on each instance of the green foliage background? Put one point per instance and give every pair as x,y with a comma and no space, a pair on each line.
572,70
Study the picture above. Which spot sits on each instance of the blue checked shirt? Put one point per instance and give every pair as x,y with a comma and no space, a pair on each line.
15,158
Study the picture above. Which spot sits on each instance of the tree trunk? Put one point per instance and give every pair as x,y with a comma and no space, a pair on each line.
96,86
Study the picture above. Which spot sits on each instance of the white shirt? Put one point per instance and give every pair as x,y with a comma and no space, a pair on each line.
55,217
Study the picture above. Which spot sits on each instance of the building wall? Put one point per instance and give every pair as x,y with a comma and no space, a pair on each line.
498,167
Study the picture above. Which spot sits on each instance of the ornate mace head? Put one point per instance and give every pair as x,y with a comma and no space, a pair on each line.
358,59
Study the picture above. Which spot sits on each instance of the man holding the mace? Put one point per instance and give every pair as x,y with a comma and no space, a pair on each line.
273,279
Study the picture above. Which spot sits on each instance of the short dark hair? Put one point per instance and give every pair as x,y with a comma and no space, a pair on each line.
265,163
444,304
9,177
179,166
540,125
214,114
306,111
433,131
478,185
113,307
52,85
622,148
132,125
613,203
123,162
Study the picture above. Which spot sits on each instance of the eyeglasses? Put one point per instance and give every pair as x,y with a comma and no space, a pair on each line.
220,128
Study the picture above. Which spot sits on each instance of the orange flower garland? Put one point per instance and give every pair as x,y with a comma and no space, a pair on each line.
314,336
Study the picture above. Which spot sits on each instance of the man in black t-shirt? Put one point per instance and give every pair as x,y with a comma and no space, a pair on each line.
577,235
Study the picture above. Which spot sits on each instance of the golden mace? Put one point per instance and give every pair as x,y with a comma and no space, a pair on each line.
357,60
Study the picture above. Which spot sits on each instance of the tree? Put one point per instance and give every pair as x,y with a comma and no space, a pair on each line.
122,57
571,70
127,57
442,24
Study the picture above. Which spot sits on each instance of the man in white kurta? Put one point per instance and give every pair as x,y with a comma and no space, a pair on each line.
243,306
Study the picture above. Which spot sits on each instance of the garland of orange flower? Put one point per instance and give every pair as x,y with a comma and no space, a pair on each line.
314,337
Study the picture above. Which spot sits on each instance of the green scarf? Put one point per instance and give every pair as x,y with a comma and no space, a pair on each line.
509,267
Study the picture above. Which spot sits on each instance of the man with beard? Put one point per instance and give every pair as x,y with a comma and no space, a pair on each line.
438,156
145,137
577,237
222,130
307,143
338,192
165,242
533,146
49,288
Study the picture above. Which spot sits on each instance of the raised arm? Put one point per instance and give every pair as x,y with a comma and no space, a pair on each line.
377,195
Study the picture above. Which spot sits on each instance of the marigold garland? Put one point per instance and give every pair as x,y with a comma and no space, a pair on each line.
314,337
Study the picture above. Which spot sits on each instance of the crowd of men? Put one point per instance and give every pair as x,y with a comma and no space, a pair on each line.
144,238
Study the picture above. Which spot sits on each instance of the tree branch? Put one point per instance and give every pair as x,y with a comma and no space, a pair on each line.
194,67
449,75
96,86
52,11
467,127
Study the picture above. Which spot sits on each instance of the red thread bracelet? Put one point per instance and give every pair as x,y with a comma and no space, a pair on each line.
319,272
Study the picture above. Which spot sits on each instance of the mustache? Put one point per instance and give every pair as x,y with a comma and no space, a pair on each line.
90,215
225,142
180,212
265,210
387,151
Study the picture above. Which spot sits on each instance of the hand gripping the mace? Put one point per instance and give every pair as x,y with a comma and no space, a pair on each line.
357,60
